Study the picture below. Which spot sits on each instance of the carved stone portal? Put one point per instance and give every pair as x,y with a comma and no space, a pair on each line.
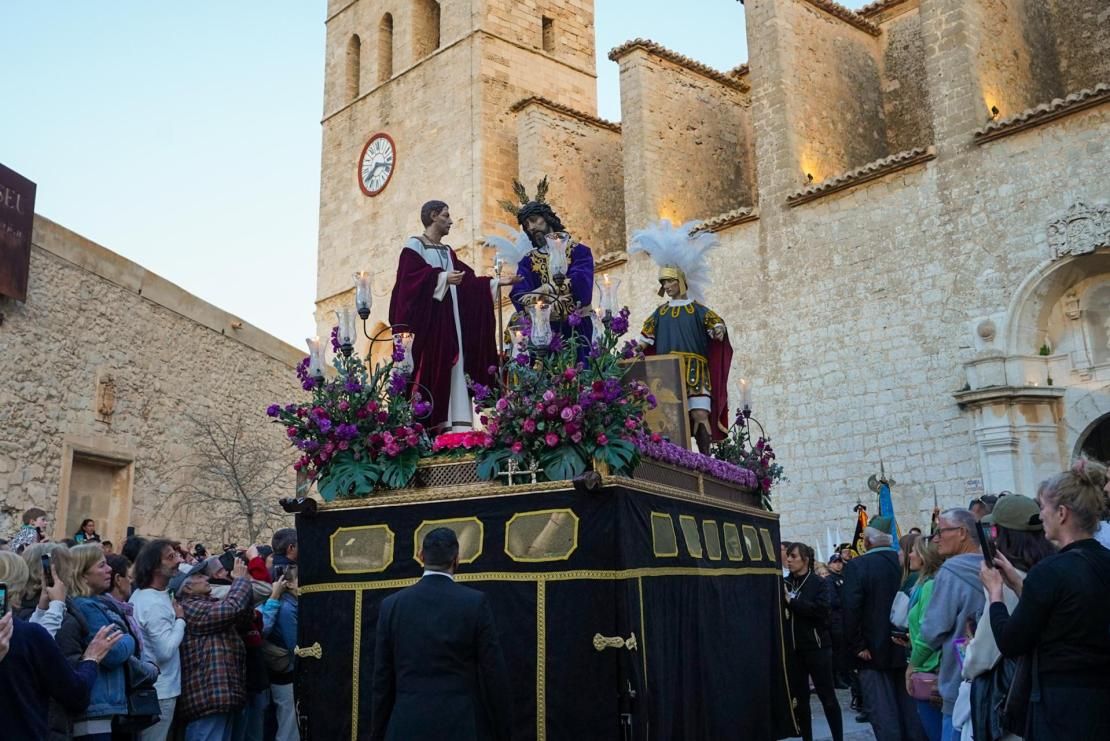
1081,230
105,398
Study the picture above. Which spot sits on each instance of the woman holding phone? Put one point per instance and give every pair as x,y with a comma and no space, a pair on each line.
1060,619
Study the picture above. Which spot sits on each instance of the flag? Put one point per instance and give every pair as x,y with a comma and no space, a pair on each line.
861,522
886,509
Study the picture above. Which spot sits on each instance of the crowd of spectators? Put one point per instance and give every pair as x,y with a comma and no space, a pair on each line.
994,626
155,642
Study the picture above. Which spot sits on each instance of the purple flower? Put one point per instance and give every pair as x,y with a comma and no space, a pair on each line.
335,338
574,319
567,414
523,359
398,352
346,432
421,409
557,344
397,384
273,410
352,386
502,405
618,325
549,396
324,424
481,393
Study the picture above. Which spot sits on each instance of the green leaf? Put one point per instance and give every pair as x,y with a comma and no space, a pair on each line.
489,463
620,455
562,463
398,472
346,477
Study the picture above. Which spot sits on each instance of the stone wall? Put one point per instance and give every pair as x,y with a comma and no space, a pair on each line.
582,159
1016,61
687,139
1080,30
905,99
571,28
107,362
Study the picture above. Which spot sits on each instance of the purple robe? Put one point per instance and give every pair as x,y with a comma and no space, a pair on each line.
580,277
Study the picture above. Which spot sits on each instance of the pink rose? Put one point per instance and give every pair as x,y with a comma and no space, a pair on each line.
529,425
567,414
518,447
551,439
569,374
602,439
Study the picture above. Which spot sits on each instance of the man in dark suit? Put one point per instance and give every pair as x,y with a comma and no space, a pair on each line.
438,668
870,583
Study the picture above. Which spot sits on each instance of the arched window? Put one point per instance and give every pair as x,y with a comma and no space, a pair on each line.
354,61
385,48
426,27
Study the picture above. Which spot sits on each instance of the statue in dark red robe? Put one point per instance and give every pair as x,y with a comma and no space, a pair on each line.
449,310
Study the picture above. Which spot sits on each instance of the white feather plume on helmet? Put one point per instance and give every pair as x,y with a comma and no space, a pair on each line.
679,253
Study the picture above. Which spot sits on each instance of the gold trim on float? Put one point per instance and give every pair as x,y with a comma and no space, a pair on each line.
643,627
391,540
751,537
417,540
523,576
657,519
541,660
486,490
690,533
356,649
732,538
712,544
542,540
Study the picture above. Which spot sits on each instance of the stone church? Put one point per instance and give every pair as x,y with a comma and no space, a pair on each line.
911,199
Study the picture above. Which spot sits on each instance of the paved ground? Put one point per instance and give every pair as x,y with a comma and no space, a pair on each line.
853,731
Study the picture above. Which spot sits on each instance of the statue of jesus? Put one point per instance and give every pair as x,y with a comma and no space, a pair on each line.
449,310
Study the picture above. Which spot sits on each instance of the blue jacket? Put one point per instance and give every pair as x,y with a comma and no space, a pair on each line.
109,693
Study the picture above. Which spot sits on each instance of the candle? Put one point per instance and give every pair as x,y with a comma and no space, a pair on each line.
745,393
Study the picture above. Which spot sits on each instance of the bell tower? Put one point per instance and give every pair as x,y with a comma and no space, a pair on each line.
417,98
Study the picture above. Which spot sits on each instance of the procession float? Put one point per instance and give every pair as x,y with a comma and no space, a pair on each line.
634,581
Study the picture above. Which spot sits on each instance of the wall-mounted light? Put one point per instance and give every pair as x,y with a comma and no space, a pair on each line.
809,177
994,112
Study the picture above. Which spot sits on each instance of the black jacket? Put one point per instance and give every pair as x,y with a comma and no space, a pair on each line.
835,583
438,667
72,641
807,614
870,583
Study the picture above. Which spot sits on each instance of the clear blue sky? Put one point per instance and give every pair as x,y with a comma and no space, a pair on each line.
186,137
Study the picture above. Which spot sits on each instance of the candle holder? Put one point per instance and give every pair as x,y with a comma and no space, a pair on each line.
364,296
346,334
608,296
403,341
315,359
557,264
540,314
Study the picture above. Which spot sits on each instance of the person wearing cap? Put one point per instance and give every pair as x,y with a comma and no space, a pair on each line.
213,656
870,583
1020,538
957,601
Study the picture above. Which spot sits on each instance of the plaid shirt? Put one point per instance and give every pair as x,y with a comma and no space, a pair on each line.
213,658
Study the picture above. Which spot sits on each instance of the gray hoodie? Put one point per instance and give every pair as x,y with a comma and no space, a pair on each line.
957,598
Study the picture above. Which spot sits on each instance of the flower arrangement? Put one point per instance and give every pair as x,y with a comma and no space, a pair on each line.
656,448
359,431
759,458
458,444
553,410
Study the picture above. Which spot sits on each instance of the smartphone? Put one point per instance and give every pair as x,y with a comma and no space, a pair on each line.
279,573
47,574
3,599
901,633
227,560
986,544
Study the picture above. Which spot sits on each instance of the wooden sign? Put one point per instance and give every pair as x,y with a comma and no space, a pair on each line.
17,214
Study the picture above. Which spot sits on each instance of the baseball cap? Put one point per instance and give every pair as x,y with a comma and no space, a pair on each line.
881,523
834,558
1015,512
178,581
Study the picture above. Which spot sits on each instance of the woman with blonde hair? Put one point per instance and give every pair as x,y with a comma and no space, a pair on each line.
32,668
1060,621
924,661
89,578
45,603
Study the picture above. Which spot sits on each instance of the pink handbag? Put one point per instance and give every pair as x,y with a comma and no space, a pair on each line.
923,685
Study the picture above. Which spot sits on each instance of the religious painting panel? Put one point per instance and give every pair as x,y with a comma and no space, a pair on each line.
663,375
17,216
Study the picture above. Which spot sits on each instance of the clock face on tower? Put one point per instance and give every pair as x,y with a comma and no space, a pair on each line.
375,165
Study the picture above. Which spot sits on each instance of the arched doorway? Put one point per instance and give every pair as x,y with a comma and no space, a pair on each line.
1095,444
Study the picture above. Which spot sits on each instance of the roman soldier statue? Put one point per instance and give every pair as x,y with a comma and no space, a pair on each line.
686,327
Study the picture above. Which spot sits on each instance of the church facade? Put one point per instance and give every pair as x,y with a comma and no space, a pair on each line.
911,201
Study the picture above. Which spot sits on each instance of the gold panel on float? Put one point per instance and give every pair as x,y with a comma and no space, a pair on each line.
690,534
544,535
751,540
768,543
712,539
664,542
469,530
362,550
732,542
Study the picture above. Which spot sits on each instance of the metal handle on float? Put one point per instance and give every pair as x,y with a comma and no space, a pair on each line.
312,652
603,642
